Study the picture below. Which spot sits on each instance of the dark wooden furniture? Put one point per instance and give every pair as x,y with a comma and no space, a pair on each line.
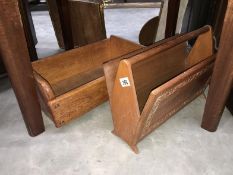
77,23
221,82
229,103
15,55
172,16
147,87
149,30
29,29
72,83
2,68
200,13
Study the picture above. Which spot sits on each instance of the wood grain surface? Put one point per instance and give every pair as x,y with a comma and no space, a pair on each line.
72,83
221,82
15,55
152,84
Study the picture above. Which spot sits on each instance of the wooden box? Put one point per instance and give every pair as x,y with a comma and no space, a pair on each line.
72,83
150,85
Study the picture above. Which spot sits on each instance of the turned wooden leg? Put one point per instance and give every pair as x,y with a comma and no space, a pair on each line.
14,52
222,76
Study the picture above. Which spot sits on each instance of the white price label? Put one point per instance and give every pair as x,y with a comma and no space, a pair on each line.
125,82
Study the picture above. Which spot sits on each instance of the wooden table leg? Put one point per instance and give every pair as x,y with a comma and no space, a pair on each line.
14,52
29,28
172,16
229,103
222,76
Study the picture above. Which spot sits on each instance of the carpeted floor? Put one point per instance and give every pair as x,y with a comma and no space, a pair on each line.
86,146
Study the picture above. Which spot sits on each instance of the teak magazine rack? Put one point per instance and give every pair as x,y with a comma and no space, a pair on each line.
150,85
72,83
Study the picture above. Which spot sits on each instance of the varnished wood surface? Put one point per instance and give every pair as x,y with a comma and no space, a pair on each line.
172,96
55,18
65,23
72,83
221,82
78,101
14,52
110,67
151,73
87,22
147,74
77,23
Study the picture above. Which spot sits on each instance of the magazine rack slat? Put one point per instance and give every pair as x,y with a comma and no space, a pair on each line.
72,83
147,87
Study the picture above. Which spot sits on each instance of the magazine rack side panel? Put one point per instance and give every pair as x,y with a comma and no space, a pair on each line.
111,67
156,69
202,49
172,96
124,104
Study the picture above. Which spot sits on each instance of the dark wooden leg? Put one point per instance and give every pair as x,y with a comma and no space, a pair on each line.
2,68
222,76
172,16
14,52
230,102
29,29
217,19
64,15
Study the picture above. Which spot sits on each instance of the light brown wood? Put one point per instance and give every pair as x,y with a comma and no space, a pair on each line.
161,80
72,83
78,101
153,69
110,67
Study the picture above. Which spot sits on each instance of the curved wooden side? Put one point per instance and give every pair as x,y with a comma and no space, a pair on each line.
44,87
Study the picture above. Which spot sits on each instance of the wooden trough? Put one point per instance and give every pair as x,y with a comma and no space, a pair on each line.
72,83
150,85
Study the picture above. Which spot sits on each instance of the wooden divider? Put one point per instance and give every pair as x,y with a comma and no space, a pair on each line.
148,86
